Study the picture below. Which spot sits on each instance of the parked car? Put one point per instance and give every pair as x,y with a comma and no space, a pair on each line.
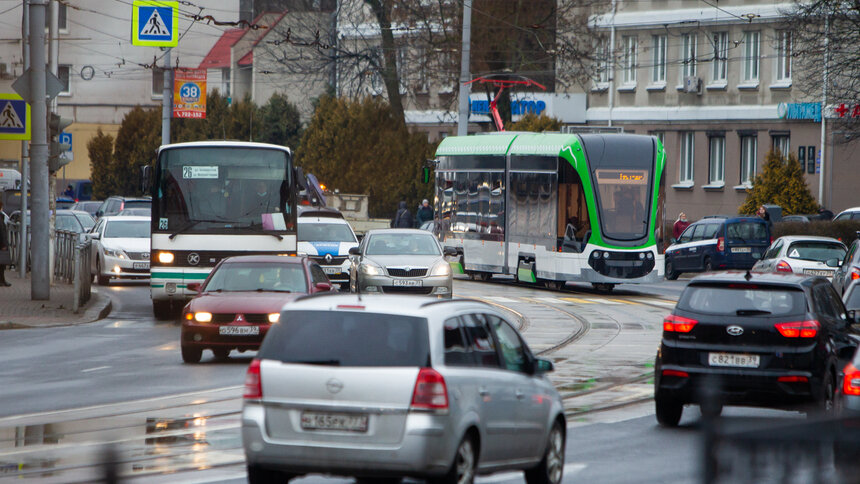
401,261
851,298
76,221
795,218
120,248
114,205
327,240
89,206
849,214
718,243
389,387
803,254
135,212
849,271
64,203
765,340
240,300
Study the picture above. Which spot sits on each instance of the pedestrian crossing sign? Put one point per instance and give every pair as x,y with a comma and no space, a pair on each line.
155,23
14,117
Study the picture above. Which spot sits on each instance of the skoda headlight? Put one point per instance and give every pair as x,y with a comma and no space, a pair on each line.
115,253
370,269
442,268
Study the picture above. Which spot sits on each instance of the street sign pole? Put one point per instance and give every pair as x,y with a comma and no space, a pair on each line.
25,152
40,287
166,101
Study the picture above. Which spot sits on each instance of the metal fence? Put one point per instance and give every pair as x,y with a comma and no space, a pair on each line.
13,231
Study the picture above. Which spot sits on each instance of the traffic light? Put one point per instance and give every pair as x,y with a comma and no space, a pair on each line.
56,125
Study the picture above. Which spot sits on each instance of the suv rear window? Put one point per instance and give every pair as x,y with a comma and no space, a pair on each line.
743,299
346,338
747,231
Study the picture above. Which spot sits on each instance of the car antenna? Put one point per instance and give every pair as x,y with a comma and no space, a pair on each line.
748,276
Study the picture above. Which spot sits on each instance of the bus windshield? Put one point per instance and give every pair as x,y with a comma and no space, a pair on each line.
209,189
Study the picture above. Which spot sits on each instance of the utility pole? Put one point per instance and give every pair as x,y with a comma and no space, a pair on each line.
54,66
40,287
166,101
823,110
25,148
612,63
463,120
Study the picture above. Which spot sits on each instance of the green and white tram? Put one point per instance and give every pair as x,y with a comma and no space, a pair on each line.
554,208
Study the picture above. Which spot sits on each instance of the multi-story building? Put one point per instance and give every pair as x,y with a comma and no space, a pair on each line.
714,82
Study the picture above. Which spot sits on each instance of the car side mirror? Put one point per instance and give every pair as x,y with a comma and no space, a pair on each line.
194,287
95,236
853,316
543,366
354,251
322,286
833,262
450,252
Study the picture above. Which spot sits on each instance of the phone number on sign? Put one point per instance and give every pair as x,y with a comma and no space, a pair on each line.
189,114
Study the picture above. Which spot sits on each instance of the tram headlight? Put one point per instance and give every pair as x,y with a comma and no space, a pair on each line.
165,257
641,255
606,255
596,254
649,255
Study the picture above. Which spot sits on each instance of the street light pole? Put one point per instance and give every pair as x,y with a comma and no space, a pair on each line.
823,111
25,151
463,120
40,287
166,101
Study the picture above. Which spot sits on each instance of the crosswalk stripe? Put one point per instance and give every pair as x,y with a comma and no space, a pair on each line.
602,301
551,300
668,304
501,299
624,301
577,300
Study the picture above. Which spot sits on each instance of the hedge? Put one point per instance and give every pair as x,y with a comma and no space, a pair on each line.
844,230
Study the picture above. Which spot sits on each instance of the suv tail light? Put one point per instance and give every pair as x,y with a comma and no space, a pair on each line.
798,329
721,244
430,392
851,382
678,324
783,266
253,383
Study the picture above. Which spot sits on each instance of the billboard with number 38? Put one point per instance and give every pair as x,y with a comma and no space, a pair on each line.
189,93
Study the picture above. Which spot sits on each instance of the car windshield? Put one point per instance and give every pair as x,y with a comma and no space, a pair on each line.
816,251
325,232
402,244
740,299
258,276
137,229
347,338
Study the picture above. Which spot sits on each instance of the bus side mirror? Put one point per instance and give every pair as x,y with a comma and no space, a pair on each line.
301,181
145,178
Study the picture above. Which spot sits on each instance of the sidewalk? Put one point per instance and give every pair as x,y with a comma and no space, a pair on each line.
17,310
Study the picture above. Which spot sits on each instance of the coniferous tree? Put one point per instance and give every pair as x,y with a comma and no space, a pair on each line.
781,183
533,122
100,149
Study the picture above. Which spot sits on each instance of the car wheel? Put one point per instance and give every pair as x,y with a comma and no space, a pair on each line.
668,411
711,409
191,355
671,275
829,393
463,468
161,310
260,475
708,267
221,354
102,280
551,468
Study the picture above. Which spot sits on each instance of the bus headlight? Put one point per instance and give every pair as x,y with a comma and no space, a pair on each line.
203,317
165,257
442,268
274,317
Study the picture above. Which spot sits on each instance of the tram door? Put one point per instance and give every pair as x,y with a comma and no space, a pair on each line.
574,227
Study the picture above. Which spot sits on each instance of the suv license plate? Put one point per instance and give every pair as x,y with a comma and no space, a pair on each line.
239,330
407,282
140,265
334,421
741,250
733,359
331,270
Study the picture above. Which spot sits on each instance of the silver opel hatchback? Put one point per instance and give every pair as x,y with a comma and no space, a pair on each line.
387,387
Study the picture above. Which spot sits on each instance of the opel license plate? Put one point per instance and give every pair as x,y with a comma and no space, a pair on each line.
406,282
140,265
741,250
737,360
334,421
239,330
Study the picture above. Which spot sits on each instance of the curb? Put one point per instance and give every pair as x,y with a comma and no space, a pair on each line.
99,310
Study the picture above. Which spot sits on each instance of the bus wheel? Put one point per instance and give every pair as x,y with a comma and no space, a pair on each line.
482,276
161,310
552,285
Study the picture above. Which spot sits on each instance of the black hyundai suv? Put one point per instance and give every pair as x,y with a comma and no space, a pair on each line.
766,340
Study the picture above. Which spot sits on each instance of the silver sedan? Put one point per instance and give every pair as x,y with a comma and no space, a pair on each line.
401,261
802,254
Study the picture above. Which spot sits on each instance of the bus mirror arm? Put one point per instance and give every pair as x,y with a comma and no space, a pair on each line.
301,181
145,178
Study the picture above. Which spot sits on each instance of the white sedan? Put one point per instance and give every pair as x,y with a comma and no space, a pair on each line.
120,248
803,254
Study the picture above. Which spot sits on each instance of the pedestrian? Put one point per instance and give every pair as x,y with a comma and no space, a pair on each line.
5,257
403,218
70,192
763,214
680,225
424,214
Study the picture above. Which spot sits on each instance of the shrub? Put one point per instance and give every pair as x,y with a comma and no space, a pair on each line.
844,230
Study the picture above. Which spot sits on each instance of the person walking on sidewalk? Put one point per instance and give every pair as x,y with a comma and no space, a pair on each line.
680,225
424,213
5,258
403,218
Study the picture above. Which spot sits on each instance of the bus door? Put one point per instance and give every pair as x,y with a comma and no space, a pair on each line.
533,202
574,226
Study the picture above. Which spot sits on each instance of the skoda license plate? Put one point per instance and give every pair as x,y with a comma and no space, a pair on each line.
733,359
239,330
141,265
406,282
334,421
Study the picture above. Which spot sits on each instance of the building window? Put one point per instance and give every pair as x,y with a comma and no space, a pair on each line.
62,19
225,81
721,53
717,160
660,135
751,56
688,56
782,143
783,56
658,69
421,79
628,60
603,62
63,71
687,157
749,144
157,82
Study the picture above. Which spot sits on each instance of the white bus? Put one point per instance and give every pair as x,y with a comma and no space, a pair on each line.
212,200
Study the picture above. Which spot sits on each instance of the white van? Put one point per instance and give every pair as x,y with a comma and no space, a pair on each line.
9,179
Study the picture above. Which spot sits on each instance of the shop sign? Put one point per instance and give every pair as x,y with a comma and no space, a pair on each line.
811,111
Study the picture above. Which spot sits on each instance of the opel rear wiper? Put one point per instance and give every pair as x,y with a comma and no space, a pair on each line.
751,312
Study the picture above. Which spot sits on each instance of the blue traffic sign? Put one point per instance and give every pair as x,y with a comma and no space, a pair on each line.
66,139
155,23
14,117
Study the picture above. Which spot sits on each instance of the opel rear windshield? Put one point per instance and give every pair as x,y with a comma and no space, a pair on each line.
348,338
743,299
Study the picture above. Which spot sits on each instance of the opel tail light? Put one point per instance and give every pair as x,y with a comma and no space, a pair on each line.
430,391
851,382
253,382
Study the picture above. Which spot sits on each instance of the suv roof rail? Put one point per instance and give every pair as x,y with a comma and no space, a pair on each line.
716,216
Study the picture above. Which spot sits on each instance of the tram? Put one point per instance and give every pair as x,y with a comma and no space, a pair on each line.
553,208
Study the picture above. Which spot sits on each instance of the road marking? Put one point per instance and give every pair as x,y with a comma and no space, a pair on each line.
569,469
668,304
95,369
501,299
602,301
577,300
624,301
551,300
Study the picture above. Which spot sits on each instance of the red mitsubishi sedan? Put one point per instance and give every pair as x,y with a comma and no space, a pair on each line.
241,299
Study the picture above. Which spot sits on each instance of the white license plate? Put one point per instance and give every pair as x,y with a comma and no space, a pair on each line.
733,359
407,282
331,270
140,265
334,421
818,272
239,330
741,250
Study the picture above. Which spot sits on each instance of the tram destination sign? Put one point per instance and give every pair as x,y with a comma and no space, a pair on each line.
622,177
